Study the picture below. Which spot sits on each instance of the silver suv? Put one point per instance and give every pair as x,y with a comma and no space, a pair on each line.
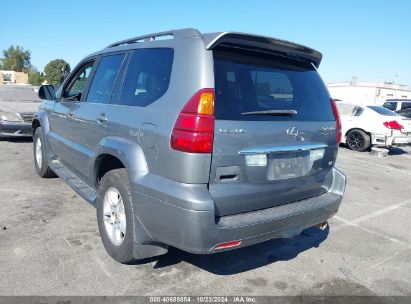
204,142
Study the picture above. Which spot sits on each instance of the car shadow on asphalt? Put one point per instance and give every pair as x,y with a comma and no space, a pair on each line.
247,258
397,151
18,139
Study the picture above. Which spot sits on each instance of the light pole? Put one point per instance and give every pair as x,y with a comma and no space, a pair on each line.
395,87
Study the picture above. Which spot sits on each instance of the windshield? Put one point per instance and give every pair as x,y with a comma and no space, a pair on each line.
247,82
382,111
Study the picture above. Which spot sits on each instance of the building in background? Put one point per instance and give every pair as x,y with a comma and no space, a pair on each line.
366,93
13,77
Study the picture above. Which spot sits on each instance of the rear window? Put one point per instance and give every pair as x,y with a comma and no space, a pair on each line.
382,111
248,82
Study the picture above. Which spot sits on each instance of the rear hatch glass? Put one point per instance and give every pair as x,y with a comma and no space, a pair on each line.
246,83
275,137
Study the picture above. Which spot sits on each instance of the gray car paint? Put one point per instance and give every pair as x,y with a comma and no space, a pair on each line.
178,200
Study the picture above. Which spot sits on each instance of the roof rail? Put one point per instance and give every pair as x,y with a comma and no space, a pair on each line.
180,33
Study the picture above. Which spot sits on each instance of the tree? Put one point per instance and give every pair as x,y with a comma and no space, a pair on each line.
55,71
16,59
35,77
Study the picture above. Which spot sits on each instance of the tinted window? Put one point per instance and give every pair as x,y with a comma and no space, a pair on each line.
390,105
382,111
104,78
147,77
406,105
115,94
247,82
405,113
78,83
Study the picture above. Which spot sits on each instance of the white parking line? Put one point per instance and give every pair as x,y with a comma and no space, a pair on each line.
385,260
349,223
355,222
374,214
100,263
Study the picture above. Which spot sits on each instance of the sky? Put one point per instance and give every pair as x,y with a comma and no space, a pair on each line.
369,38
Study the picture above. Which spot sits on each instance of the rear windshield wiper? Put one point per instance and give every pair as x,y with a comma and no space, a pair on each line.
272,112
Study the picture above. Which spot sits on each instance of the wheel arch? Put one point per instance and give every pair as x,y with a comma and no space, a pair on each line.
103,164
352,129
115,153
40,120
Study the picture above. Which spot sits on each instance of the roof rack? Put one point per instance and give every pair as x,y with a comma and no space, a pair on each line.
181,33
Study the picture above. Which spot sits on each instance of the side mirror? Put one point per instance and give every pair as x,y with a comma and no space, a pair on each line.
47,92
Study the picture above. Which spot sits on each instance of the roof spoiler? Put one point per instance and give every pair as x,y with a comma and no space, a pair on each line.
262,43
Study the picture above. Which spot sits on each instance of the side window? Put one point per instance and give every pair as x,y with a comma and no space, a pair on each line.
104,78
357,111
77,84
390,105
349,110
406,105
147,77
345,109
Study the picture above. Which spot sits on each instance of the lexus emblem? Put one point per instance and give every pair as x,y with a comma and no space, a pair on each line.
292,131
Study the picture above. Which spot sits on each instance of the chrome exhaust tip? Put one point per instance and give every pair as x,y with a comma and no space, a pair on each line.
323,225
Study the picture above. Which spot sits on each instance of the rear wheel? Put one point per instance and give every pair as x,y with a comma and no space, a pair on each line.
40,156
358,140
115,215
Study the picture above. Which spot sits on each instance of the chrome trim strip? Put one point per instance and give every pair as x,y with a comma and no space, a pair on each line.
276,149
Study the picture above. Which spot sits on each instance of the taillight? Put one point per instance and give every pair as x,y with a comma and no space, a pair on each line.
337,121
194,128
393,125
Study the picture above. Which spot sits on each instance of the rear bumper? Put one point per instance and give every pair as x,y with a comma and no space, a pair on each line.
185,217
395,139
15,129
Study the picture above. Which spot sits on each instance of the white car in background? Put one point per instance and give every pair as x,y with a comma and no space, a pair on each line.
365,126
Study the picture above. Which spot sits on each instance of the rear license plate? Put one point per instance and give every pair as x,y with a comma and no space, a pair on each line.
288,167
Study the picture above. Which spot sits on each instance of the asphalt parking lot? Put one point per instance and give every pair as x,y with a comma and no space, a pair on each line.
50,245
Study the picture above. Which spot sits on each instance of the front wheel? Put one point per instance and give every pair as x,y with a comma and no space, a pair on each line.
115,215
40,156
358,140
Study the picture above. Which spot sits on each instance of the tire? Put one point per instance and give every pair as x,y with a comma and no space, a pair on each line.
358,140
40,155
117,237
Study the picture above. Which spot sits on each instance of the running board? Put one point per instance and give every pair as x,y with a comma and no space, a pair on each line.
75,182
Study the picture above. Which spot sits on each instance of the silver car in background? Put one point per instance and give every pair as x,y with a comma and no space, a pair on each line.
18,104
